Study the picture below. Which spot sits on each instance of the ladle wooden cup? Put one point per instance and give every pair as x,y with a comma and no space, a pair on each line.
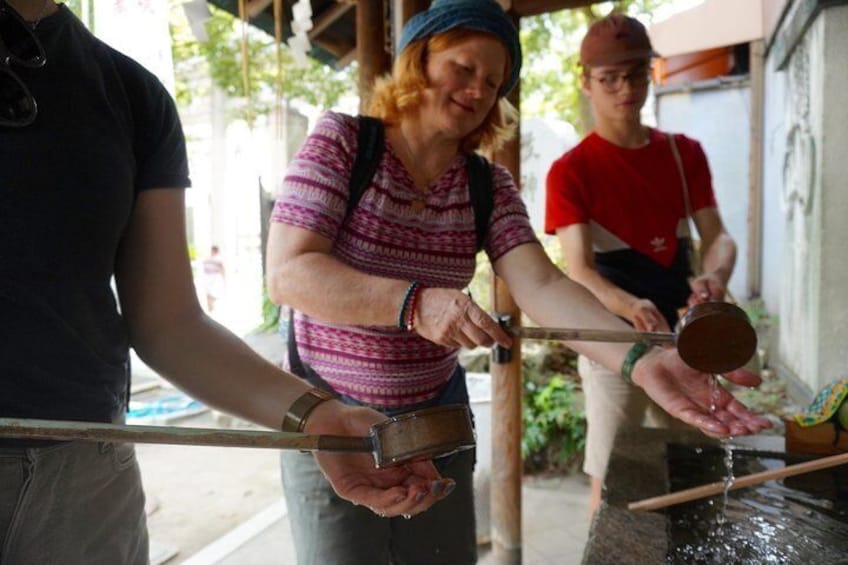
714,337
414,436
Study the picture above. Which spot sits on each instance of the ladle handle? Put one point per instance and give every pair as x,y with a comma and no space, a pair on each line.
94,431
566,334
718,487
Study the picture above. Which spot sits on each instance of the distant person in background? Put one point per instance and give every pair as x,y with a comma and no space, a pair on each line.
616,202
214,278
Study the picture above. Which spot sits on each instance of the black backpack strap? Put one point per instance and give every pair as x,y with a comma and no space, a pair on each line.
295,364
370,142
480,193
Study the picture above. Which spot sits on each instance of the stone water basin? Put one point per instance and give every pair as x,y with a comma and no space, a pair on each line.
801,519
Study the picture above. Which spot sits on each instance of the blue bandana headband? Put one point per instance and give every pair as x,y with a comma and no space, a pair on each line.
479,15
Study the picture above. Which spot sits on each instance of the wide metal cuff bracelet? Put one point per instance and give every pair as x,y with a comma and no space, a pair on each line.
295,418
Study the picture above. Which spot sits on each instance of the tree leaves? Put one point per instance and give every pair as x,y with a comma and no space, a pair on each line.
316,83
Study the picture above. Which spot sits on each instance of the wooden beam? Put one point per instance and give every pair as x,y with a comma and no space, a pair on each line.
346,59
326,18
408,8
337,49
755,170
401,11
256,7
536,7
371,52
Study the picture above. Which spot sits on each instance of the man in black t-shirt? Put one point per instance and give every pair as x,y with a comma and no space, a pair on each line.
92,175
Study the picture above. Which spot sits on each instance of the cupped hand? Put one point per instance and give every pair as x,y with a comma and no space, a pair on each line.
394,491
706,288
450,318
695,397
646,317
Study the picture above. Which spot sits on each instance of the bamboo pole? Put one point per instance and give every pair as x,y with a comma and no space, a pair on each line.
568,334
62,430
245,59
717,487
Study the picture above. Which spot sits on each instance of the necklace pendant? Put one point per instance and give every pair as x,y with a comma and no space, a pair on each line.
417,205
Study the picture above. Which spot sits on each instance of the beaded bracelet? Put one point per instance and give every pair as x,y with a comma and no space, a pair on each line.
633,355
410,310
401,320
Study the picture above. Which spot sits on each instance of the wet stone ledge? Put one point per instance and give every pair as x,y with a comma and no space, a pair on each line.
638,470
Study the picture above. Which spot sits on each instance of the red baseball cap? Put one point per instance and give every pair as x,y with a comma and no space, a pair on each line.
615,39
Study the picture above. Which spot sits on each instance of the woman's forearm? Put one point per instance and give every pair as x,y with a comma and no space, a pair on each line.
567,304
319,285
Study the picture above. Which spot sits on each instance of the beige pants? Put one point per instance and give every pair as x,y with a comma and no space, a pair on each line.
611,405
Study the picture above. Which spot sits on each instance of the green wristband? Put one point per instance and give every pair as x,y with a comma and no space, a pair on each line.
633,355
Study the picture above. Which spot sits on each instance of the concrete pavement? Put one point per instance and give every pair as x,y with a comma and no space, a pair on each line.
554,531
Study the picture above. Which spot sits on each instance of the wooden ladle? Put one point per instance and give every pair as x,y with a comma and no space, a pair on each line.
714,337
414,436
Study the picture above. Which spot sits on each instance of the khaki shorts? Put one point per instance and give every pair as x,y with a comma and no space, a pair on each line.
613,404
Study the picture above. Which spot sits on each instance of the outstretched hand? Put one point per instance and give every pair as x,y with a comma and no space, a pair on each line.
394,491
646,317
695,397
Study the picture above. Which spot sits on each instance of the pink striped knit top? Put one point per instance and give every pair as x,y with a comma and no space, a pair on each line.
387,236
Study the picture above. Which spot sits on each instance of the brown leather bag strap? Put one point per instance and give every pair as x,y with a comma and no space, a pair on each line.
679,162
672,141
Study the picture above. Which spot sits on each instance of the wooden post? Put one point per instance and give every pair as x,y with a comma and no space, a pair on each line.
755,170
507,389
374,59
506,443
409,8
402,10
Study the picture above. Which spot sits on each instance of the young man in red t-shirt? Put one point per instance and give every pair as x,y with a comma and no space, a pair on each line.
616,203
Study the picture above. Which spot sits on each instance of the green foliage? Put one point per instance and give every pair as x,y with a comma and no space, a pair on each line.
314,83
554,425
758,314
75,6
270,314
549,85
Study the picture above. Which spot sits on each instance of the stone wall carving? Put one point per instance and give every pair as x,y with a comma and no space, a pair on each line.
799,179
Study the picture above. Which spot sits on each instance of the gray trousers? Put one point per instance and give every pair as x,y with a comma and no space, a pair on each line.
74,503
329,530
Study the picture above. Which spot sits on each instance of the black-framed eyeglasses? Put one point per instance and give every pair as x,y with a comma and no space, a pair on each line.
18,46
613,82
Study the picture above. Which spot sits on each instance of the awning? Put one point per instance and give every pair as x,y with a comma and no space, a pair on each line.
333,33
715,23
